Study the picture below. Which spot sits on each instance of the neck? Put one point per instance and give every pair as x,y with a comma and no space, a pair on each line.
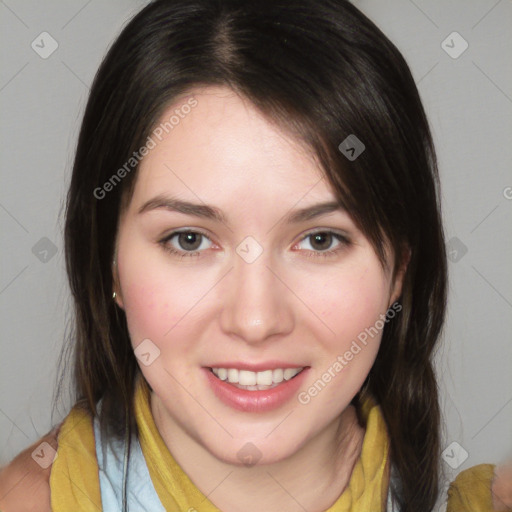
311,479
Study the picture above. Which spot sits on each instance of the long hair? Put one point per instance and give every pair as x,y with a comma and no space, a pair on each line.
323,71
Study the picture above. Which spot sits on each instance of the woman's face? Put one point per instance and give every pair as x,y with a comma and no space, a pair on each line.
247,288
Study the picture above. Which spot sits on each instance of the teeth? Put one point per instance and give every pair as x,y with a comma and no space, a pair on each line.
253,380
278,375
289,373
264,378
246,378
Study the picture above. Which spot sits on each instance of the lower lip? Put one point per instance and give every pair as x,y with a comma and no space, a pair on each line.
255,401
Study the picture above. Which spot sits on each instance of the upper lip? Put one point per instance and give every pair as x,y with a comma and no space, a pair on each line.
256,367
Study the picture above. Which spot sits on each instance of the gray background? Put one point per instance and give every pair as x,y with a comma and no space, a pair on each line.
469,103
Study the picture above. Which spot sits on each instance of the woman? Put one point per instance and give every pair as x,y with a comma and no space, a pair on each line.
255,251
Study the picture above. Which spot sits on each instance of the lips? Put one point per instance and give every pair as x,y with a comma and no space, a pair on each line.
228,384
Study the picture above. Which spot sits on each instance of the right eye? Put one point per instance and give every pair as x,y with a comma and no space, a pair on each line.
185,243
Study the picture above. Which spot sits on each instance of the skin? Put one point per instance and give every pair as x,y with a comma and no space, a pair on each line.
292,304
230,156
24,484
501,488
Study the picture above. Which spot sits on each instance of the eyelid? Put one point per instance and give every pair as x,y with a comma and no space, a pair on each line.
333,231
164,241
186,230
343,239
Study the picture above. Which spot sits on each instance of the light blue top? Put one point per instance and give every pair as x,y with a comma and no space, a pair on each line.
141,494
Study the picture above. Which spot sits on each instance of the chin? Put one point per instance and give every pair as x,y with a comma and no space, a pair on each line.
251,451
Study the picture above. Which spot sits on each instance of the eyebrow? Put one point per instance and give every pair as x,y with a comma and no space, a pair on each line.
176,205
211,212
316,210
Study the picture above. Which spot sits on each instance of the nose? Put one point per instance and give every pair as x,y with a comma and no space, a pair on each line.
256,303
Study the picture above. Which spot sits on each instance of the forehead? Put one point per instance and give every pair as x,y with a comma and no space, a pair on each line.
223,147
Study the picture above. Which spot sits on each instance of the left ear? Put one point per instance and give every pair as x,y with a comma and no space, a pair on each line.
396,286
116,289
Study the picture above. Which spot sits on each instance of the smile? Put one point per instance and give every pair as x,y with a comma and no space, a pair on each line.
255,381
255,391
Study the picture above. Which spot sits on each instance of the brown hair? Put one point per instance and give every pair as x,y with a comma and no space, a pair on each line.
324,71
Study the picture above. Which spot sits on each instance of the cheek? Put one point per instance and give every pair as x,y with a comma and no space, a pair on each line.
349,302
158,301
145,312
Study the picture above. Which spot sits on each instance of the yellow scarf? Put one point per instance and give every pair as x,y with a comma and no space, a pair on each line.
74,479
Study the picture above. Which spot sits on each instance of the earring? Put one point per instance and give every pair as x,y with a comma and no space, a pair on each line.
114,294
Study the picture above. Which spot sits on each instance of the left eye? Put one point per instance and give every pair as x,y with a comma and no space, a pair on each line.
322,241
186,242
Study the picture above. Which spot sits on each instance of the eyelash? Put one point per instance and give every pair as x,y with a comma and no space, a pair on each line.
180,254
344,242
329,253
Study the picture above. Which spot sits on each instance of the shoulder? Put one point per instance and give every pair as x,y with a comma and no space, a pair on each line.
24,482
473,489
38,478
